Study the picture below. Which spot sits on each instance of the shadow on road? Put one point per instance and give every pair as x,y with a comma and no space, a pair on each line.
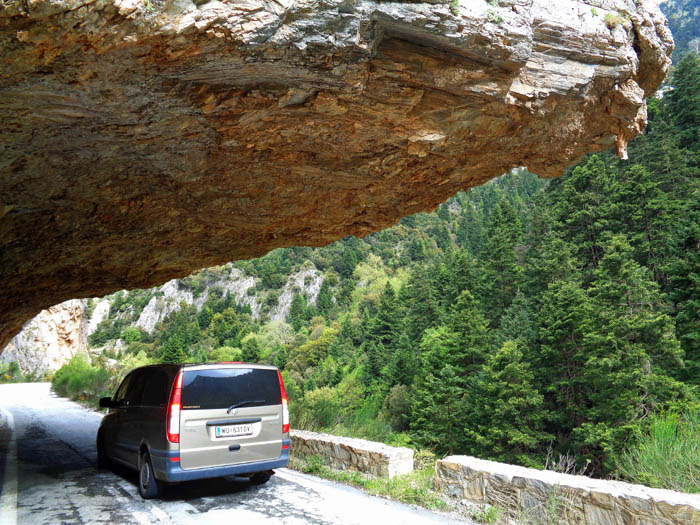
190,490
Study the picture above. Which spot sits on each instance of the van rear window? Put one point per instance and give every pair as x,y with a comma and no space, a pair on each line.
225,387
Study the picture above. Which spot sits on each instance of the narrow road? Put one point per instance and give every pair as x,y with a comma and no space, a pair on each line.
48,475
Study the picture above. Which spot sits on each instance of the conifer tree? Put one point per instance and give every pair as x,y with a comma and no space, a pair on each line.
630,350
684,100
471,334
251,350
385,325
401,366
437,411
297,312
583,211
504,411
501,272
421,305
561,359
173,350
685,294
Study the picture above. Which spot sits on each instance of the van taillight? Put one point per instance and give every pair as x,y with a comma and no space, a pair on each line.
285,407
172,420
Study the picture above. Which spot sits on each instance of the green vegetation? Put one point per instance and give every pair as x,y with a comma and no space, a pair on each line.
11,373
87,382
414,488
493,16
614,20
81,380
454,7
523,320
683,20
488,515
667,454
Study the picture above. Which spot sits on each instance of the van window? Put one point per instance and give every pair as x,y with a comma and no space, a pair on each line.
121,392
224,387
155,390
135,388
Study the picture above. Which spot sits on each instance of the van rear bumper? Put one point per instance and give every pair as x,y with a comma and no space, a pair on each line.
171,472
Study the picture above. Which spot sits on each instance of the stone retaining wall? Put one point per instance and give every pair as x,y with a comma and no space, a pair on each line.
544,496
352,454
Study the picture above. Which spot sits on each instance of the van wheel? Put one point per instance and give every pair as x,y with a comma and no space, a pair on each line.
149,486
261,477
103,461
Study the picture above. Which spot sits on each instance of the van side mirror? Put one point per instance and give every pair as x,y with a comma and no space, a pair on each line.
106,402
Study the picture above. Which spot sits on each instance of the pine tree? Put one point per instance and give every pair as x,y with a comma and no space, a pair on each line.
325,298
385,325
437,411
205,317
630,352
583,210
401,366
297,312
251,350
471,334
173,350
501,272
559,365
505,417
519,323
684,101
421,305
685,294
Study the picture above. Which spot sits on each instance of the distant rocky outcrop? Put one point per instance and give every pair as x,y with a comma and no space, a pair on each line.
144,140
307,282
169,298
49,340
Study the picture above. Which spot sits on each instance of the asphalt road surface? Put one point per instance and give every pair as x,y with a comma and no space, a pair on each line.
48,475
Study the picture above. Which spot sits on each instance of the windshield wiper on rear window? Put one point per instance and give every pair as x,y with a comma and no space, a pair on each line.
242,403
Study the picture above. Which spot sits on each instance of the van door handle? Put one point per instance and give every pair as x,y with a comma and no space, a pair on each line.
233,448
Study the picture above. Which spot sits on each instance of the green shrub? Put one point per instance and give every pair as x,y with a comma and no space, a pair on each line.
667,455
226,353
131,334
612,21
80,380
397,407
11,373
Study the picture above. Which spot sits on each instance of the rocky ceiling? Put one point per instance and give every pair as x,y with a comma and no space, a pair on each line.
144,139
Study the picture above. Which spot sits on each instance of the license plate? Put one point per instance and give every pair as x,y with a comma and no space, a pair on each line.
233,430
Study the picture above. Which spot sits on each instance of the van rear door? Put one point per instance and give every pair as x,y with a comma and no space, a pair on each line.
230,414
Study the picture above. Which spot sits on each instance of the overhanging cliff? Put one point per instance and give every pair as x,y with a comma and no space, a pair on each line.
142,140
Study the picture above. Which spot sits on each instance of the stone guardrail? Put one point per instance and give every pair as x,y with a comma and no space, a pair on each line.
538,495
344,453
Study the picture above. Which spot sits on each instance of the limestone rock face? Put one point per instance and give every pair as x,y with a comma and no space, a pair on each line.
144,139
49,340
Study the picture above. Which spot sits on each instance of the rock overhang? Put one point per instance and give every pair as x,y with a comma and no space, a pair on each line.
144,140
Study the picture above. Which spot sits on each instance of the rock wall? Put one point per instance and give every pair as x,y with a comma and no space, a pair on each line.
49,340
550,497
359,455
307,282
143,140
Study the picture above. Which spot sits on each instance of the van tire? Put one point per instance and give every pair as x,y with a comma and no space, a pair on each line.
149,487
103,461
258,478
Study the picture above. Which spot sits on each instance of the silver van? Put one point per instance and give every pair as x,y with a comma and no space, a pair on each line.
177,423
